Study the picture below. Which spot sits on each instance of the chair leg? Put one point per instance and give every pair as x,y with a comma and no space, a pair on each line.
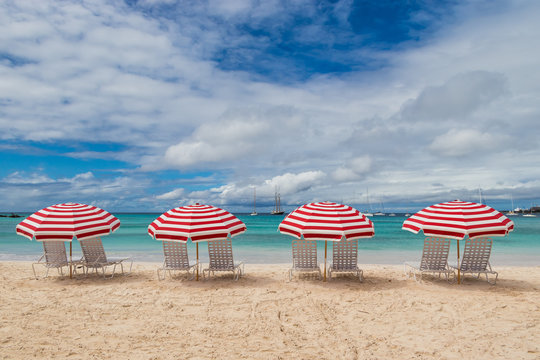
34,270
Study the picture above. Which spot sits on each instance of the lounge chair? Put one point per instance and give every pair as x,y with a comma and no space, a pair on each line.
475,258
176,259
345,259
434,259
304,253
221,259
94,257
54,256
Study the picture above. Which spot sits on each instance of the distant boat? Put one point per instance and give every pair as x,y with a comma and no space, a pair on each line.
511,212
254,213
407,214
530,214
392,214
368,213
380,213
277,206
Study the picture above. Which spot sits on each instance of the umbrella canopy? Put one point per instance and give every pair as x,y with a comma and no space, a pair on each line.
63,222
327,221
457,219
196,222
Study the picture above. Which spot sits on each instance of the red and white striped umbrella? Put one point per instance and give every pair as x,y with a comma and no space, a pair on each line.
457,219
327,221
196,222
63,222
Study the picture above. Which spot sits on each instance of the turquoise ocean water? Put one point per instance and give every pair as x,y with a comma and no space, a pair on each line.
262,243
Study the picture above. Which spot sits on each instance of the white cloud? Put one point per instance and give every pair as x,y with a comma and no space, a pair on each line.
216,142
458,97
23,178
171,195
290,183
355,169
464,142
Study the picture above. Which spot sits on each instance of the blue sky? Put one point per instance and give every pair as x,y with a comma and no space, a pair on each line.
147,105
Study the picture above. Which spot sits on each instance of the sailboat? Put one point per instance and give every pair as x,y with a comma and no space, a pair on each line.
380,213
531,213
277,207
511,212
254,213
368,213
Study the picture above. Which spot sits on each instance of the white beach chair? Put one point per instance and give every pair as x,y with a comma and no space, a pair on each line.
176,259
54,257
475,258
434,259
304,253
221,259
345,259
94,257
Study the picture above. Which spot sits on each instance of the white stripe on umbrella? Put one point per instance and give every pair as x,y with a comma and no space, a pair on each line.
327,221
67,221
196,222
457,219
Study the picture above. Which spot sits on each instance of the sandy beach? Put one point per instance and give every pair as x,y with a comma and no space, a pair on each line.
264,316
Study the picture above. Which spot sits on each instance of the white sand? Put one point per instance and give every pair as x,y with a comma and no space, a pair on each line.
264,316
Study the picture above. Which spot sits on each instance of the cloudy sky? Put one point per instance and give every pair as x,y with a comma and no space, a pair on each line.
146,105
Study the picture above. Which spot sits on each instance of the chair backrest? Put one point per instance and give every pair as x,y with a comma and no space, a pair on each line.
476,254
176,255
93,251
220,254
304,253
55,253
345,255
435,254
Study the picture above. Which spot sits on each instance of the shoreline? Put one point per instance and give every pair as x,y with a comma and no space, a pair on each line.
145,263
265,316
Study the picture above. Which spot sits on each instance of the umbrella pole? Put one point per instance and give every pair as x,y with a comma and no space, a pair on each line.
71,259
458,265
325,245
197,247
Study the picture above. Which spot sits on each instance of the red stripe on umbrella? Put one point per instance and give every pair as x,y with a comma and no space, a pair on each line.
327,221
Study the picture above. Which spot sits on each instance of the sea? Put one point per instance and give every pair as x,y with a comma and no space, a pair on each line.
263,244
